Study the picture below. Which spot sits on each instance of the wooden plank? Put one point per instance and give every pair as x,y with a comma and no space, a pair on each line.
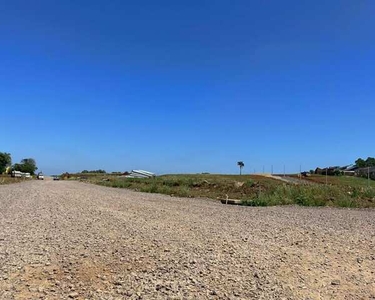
231,201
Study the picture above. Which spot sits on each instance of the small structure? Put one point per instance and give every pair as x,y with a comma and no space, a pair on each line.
16,174
348,170
140,174
19,174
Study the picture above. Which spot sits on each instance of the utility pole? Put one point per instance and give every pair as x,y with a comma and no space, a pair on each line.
284,170
263,169
271,169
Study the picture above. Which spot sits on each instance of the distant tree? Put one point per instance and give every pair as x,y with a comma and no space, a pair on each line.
16,167
65,175
5,161
94,171
241,165
27,165
369,162
360,163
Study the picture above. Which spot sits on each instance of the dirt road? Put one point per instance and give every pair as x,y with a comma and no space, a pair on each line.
70,240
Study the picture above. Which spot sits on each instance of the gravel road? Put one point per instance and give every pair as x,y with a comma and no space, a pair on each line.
71,240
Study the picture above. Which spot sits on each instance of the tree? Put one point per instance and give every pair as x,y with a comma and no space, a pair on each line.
241,165
94,171
369,162
27,165
360,163
5,161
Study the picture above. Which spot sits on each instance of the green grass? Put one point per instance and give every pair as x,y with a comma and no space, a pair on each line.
251,189
315,195
200,185
342,180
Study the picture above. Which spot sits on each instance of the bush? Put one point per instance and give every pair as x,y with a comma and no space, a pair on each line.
249,183
183,192
171,183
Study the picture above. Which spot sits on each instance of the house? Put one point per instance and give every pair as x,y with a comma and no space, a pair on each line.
348,170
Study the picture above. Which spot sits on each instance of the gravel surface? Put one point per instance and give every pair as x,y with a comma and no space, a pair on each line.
70,240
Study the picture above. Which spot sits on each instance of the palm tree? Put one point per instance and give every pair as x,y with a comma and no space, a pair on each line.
241,165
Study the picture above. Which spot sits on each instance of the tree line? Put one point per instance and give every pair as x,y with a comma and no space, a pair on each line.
369,162
26,165
94,171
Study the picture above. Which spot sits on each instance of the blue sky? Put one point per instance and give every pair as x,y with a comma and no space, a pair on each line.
187,86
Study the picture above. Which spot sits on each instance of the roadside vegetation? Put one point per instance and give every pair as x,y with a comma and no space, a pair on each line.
26,165
5,179
253,190
340,180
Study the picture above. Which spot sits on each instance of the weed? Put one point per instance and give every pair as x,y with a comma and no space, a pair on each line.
249,183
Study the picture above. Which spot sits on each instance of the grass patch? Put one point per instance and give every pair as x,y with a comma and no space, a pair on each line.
7,179
315,195
251,189
351,181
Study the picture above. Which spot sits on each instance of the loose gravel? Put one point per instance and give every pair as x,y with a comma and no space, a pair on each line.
71,240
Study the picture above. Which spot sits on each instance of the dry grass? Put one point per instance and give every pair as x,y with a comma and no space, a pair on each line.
6,179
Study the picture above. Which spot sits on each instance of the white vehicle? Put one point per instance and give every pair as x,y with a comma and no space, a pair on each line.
40,176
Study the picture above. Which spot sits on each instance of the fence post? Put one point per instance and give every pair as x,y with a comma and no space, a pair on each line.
327,176
368,176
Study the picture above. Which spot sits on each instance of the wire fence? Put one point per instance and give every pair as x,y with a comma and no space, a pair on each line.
328,172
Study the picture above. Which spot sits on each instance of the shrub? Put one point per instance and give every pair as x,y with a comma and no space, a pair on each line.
249,183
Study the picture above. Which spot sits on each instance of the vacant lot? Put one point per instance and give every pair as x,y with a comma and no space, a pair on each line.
70,240
253,190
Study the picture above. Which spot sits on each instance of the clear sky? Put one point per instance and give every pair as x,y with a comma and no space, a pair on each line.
187,86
